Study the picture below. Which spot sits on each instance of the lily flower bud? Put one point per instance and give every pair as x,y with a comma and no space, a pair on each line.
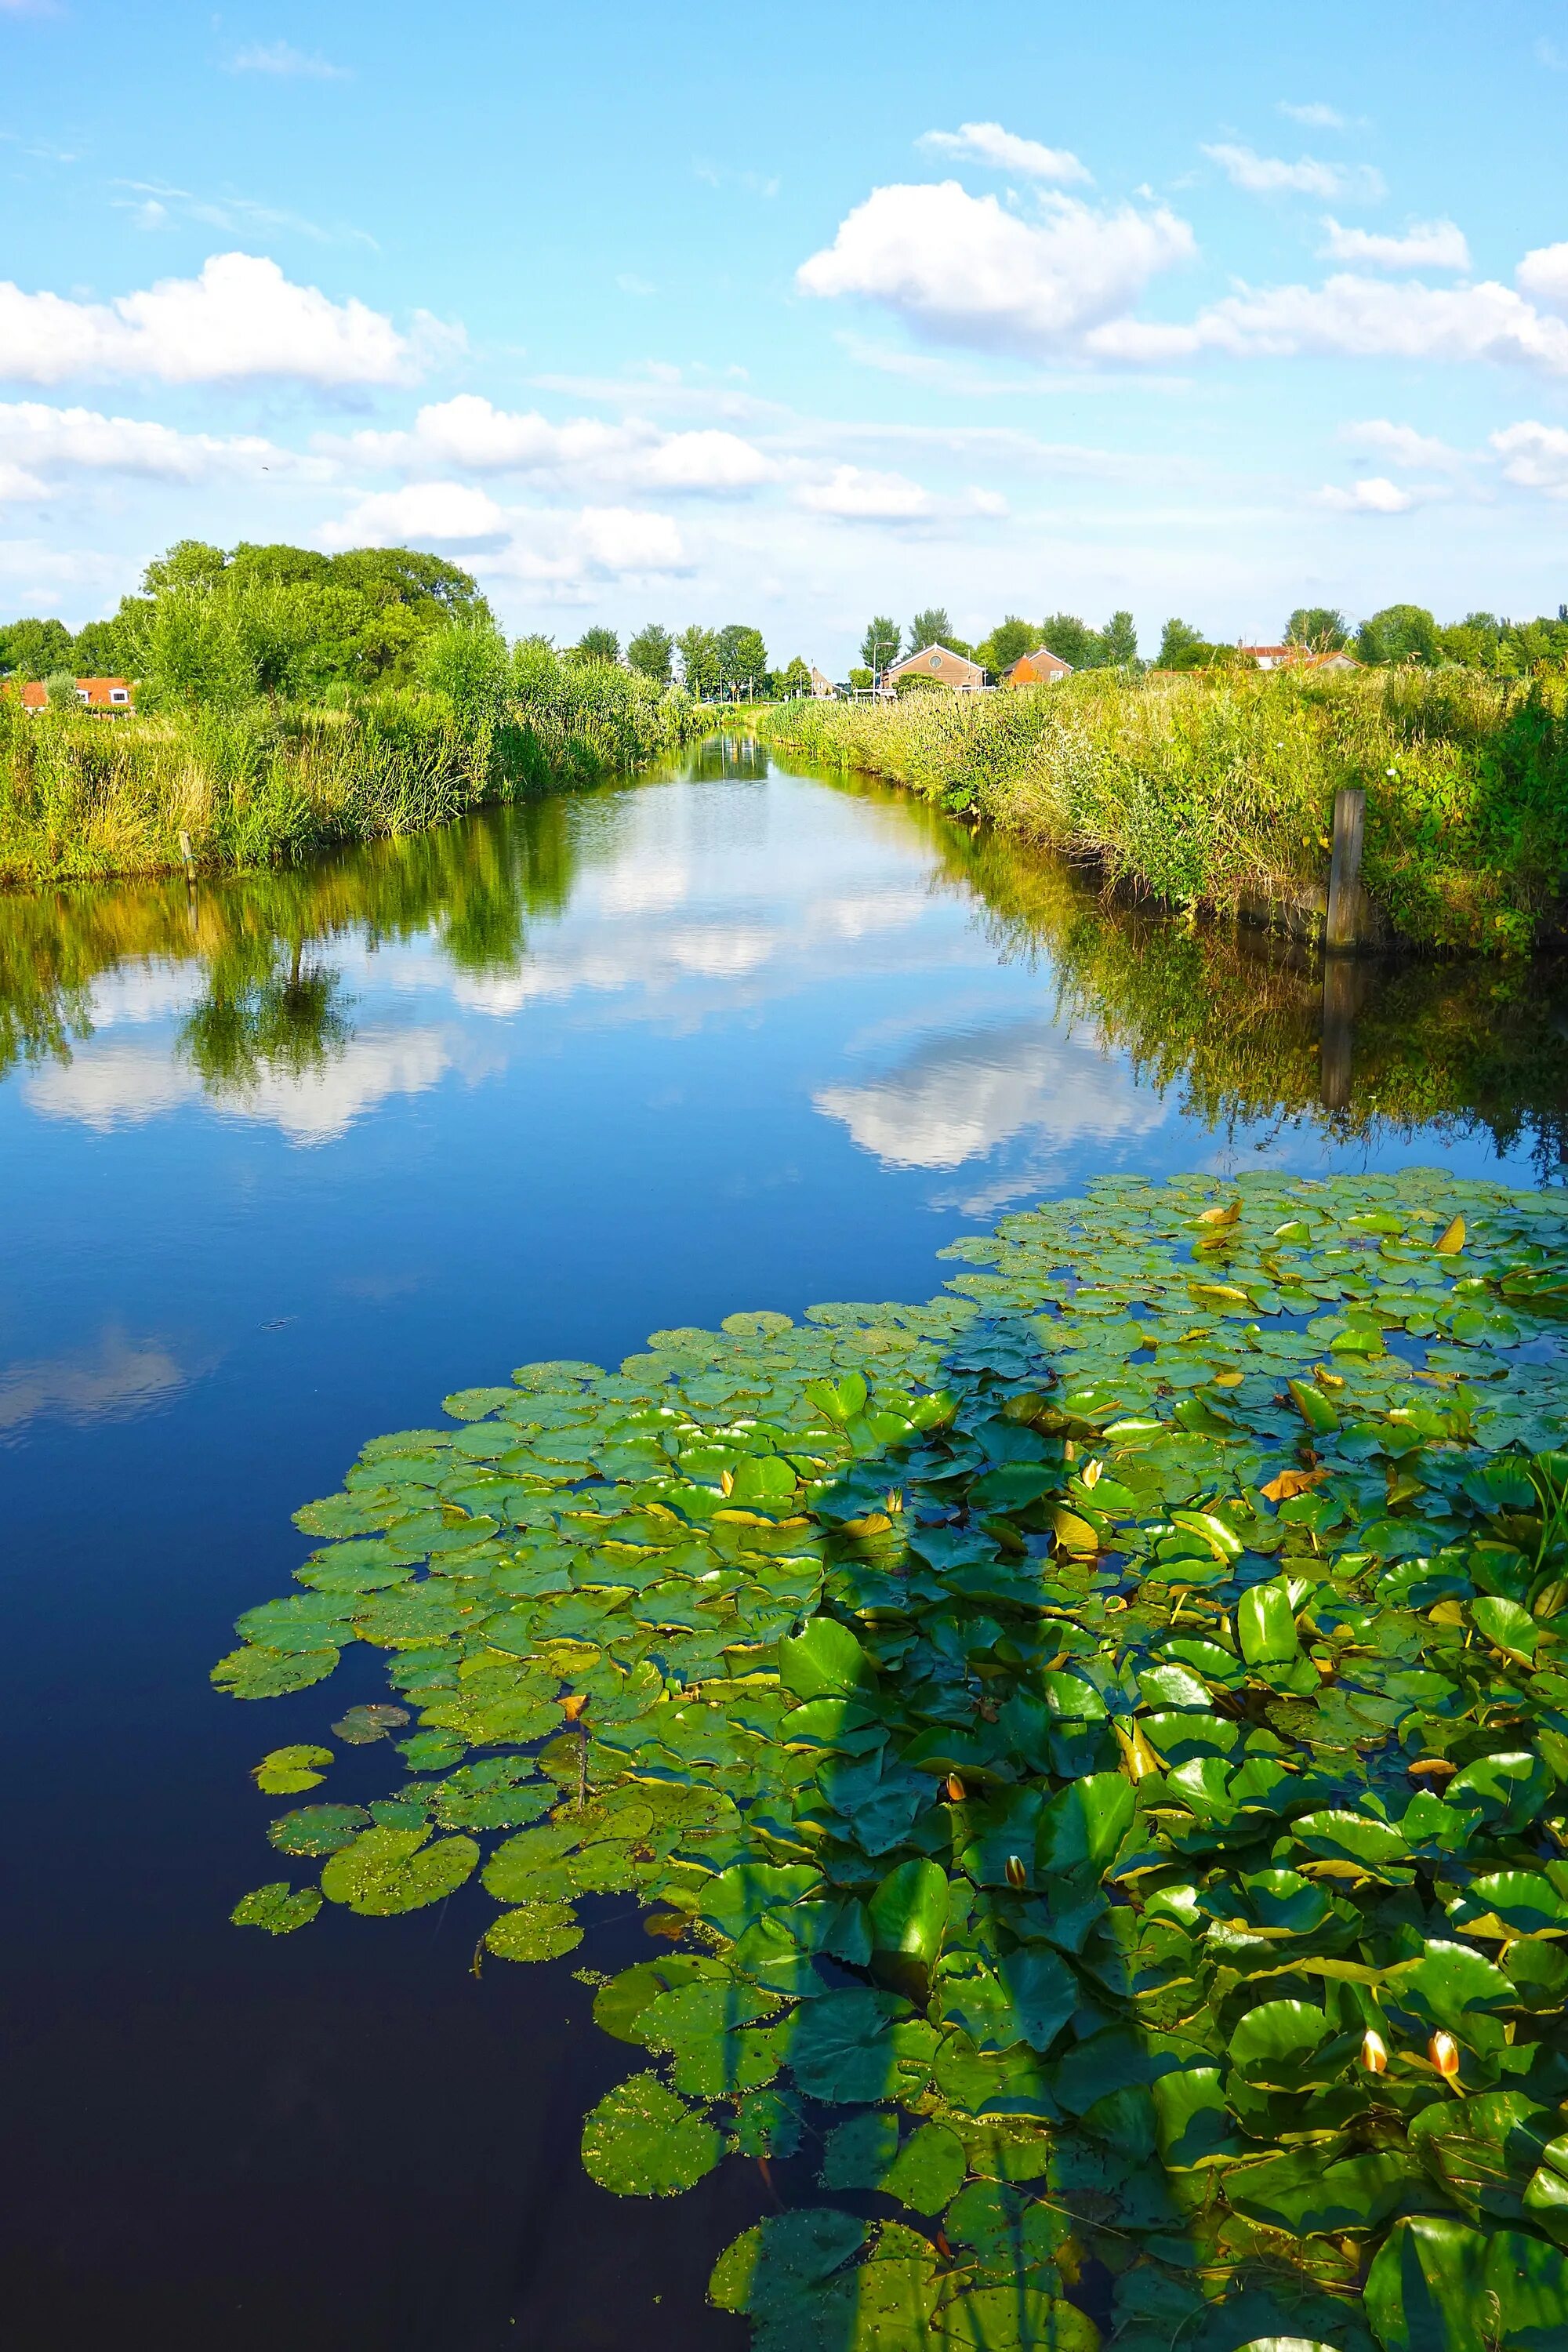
1017,1873
1444,2053
572,1705
1375,2052
956,1789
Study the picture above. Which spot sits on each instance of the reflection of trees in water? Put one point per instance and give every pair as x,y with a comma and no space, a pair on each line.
1247,1028
271,1000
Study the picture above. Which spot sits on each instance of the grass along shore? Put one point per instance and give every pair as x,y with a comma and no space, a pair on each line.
83,799
1219,795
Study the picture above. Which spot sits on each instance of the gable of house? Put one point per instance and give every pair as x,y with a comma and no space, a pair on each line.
1042,668
943,664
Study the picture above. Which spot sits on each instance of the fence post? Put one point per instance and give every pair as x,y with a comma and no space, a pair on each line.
1342,928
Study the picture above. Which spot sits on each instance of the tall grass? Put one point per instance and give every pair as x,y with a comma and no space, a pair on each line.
82,799
1219,794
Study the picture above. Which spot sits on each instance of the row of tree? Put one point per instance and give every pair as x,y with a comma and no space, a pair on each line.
714,663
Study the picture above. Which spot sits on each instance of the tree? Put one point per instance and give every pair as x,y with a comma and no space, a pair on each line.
742,655
470,664
1119,642
652,651
699,651
59,691
1400,633
1072,640
1317,627
1008,640
860,680
1180,645
33,648
880,645
100,650
796,679
598,645
930,627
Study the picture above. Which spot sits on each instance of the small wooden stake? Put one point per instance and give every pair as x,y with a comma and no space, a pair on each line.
186,853
1344,926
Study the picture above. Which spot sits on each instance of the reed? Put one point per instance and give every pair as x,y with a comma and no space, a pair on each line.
1219,794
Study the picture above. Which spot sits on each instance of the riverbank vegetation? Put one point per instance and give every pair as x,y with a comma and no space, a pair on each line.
1092,1750
1217,792
283,705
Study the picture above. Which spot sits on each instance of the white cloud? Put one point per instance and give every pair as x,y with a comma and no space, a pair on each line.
961,269
1425,245
1535,457
987,142
1270,175
559,552
15,483
711,460
468,431
82,440
240,319
451,512
1543,274
1401,444
107,1381
1314,115
1360,318
855,494
624,539
1376,496
287,63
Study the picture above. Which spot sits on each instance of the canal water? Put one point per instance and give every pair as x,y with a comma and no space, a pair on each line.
287,1160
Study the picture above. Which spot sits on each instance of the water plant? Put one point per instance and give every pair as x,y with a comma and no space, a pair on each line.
1092,1749
1217,792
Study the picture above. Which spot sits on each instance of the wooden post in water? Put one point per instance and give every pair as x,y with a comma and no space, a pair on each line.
1343,928
186,854
1338,1035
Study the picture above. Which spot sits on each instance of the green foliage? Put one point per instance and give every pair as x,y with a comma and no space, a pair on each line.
1119,642
59,688
1071,640
33,648
1219,791
742,655
796,679
597,645
930,627
652,653
699,651
1064,1755
1008,641
1318,627
880,645
1400,633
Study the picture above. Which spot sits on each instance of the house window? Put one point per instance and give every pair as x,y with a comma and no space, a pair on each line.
936,661
119,694
82,694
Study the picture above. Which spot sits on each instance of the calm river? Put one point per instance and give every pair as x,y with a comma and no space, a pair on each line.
285,1164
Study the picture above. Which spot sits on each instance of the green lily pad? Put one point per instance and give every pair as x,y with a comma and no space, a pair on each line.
280,1908
534,1931
643,2141
386,1870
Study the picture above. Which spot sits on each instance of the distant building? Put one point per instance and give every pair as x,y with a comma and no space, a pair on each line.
941,666
1042,668
1297,657
1270,656
116,696
822,686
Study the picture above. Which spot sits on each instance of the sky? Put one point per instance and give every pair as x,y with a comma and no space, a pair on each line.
789,317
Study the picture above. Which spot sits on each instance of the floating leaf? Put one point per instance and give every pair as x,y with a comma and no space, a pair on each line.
386,1870
280,1908
643,2141
534,1931
283,1772
362,1725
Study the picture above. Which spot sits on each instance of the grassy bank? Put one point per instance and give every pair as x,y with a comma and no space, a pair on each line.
1220,796
82,799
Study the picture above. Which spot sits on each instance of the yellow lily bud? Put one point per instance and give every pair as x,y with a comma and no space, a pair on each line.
1375,2053
1444,2053
956,1789
1017,1873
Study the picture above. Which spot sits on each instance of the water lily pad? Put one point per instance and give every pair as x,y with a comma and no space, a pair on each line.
534,1931
362,1725
253,1673
385,1871
284,1771
280,1908
643,2141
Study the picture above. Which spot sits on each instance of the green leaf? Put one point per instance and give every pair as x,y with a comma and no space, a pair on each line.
1437,2285
280,1908
842,2048
909,1911
825,1661
1376,1845
1266,1625
1302,2194
317,1829
253,1673
1012,2319
1082,1826
1507,1626
643,2141
534,1931
386,1870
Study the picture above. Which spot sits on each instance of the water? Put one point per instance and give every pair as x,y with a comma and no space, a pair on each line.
283,1166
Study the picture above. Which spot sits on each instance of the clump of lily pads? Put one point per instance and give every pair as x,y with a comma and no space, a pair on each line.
1093,1749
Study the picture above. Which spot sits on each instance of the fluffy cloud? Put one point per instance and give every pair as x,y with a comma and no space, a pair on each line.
1425,245
240,319
1375,495
1543,275
1535,457
81,440
1401,444
16,482
451,513
1359,317
469,432
289,64
561,552
1270,175
987,142
1314,115
960,268
856,495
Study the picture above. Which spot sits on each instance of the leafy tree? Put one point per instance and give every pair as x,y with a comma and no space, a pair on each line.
100,650
189,564
880,645
1180,644
33,648
1400,633
699,651
1319,627
59,691
1119,642
598,645
652,651
1072,640
469,663
796,679
930,627
742,655
861,678
1008,640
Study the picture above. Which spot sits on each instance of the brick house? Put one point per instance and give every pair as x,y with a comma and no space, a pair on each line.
1297,657
1042,668
941,666
113,696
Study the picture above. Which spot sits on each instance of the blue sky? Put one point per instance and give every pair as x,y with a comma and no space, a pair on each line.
785,316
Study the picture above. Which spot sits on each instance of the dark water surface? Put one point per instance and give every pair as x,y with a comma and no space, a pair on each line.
281,1167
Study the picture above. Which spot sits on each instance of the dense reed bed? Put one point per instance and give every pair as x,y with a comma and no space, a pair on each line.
1219,794
84,798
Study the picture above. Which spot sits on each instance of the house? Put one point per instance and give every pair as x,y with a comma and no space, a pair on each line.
1270,656
114,696
822,686
941,666
1042,668
1299,657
